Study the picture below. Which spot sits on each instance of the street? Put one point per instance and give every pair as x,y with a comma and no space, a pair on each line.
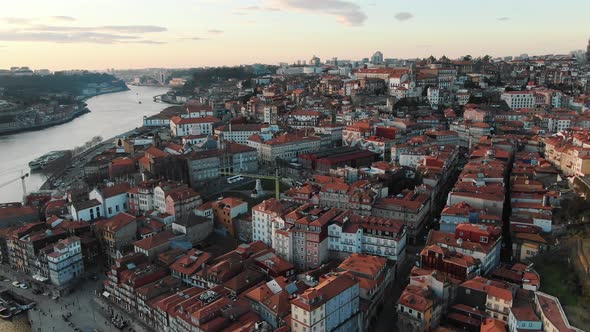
47,315
386,321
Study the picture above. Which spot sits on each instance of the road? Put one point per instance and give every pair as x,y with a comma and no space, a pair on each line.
75,173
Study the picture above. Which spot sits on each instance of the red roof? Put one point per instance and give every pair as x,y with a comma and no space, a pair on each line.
181,121
116,223
154,241
114,190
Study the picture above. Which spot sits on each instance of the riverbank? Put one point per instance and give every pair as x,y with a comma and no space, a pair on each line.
111,114
74,115
44,125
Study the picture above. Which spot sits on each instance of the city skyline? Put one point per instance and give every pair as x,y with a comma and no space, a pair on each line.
141,34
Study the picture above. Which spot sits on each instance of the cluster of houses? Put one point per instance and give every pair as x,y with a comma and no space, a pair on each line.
432,155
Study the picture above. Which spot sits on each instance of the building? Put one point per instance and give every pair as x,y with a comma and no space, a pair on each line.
498,296
239,133
181,202
154,245
65,263
332,305
411,206
350,233
192,126
195,228
186,266
375,276
519,99
478,241
116,235
271,300
225,212
263,215
141,198
303,235
377,58
551,313
88,210
286,147
113,198
417,310
522,317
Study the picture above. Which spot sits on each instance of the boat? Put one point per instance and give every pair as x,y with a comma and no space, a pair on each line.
35,165
46,159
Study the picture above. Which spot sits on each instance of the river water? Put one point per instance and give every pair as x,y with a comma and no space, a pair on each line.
111,114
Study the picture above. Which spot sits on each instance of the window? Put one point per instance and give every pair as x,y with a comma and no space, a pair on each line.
110,210
117,208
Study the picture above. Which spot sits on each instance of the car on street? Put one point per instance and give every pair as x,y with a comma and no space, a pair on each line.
16,284
23,286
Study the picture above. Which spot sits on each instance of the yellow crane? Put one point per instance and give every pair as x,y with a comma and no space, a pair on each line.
275,177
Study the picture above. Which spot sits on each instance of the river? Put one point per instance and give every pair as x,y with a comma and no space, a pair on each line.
111,114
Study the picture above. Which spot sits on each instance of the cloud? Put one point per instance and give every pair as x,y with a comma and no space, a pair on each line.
215,32
89,37
346,12
403,16
195,38
94,35
503,18
107,34
133,29
258,8
63,18
250,8
17,20
239,14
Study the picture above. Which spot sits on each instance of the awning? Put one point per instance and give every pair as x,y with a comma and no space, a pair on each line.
106,294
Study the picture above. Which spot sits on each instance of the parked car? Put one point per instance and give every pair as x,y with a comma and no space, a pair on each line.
23,286
16,284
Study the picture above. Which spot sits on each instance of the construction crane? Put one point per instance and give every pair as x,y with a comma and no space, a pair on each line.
22,178
275,178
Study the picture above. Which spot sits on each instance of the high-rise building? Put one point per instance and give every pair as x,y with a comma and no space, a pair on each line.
377,58
315,61
588,51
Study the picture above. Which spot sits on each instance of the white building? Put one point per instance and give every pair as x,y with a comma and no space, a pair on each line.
519,99
87,210
262,219
113,198
240,133
433,95
367,235
65,262
286,147
192,126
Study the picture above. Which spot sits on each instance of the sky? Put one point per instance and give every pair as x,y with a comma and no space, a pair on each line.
101,34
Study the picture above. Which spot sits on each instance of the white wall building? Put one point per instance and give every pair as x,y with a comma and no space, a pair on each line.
519,99
192,126
112,197
87,210
65,262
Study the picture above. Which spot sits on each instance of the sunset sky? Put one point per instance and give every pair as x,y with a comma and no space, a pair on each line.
99,34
